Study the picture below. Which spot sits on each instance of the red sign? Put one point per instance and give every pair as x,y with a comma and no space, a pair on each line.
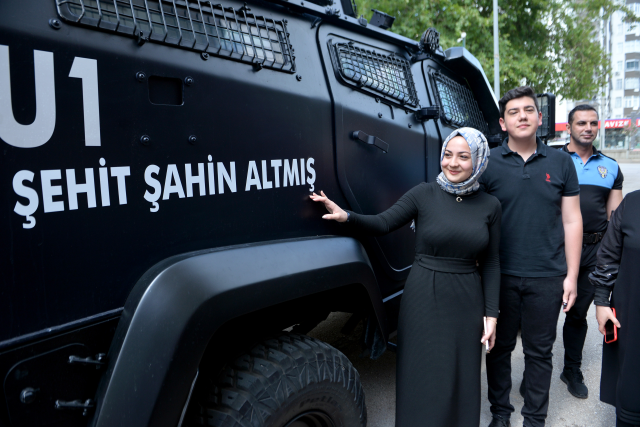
608,124
617,124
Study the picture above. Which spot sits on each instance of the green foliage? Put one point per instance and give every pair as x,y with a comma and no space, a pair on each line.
551,45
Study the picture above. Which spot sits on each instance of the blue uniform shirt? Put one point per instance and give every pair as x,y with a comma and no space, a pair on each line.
597,178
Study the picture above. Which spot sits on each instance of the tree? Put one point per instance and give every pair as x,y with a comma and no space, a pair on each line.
550,45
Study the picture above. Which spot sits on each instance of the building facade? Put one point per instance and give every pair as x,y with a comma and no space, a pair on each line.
620,107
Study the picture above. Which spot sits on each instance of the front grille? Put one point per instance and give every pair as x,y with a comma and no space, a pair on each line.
387,75
196,25
458,107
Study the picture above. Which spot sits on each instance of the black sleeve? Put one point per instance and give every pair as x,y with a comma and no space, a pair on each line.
490,266
401,213
604,276
571,184
617,183
483,182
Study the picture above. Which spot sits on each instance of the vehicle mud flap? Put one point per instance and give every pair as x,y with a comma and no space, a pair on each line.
374,339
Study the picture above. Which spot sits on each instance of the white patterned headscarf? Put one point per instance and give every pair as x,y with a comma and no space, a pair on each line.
479,157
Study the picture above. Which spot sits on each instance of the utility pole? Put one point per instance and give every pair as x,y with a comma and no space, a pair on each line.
496,54
603,104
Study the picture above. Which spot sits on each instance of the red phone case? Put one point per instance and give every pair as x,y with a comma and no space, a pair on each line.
615,330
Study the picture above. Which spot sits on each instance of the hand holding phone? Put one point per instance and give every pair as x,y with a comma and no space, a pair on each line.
608,324
488,339
610,330
486,343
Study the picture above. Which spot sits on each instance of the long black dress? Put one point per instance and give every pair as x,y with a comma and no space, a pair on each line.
618,267
444,300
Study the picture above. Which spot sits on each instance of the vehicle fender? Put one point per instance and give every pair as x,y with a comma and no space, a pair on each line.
176,307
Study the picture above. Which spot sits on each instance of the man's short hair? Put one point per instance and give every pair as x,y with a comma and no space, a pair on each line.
518,92
581,107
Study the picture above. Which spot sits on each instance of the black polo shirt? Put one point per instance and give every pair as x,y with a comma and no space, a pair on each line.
532,242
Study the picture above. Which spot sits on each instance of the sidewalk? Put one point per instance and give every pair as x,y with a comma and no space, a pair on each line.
378,378
631,172
564,409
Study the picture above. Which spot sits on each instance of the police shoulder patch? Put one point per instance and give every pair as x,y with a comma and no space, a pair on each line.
603,171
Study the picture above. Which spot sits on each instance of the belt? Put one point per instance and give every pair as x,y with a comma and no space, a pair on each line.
446,265
592,238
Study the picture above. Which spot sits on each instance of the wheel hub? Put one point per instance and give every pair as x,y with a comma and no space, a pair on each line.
311,419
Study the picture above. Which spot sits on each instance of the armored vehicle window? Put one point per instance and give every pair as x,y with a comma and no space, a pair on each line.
458,107
386,75
197,25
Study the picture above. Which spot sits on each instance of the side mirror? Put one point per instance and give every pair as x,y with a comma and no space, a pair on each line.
547,103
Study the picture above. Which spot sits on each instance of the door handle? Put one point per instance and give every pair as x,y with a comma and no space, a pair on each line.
371,140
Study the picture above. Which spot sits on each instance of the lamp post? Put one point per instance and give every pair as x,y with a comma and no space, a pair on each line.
463,38
496,54
605,97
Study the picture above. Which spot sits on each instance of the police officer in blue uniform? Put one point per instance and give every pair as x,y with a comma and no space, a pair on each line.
600,193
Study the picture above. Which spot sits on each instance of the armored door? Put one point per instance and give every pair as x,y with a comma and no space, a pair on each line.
380,146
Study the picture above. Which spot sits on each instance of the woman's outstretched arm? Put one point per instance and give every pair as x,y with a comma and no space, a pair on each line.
401,213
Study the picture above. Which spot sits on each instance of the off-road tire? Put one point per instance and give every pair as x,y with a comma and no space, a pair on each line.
279,380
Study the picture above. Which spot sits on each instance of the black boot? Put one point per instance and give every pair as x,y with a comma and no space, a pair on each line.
499,421
574,380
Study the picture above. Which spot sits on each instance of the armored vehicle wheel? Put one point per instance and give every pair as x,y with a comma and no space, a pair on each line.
289,381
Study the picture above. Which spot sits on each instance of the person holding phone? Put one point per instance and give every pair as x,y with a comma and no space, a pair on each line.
600,181
454,282
617,287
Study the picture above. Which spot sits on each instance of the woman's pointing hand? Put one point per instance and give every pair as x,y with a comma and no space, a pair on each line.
335,212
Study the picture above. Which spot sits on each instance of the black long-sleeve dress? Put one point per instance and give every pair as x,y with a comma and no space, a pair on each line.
444,300
618,270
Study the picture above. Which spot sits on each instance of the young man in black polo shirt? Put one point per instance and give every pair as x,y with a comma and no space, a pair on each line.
539,254
600,181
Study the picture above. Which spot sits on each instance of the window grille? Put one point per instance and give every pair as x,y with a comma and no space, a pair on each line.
386,75
545,109
192,24
458,107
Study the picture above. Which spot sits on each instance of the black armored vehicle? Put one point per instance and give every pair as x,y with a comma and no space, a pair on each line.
160,259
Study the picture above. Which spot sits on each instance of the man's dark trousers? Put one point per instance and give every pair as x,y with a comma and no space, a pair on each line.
575,327
532,304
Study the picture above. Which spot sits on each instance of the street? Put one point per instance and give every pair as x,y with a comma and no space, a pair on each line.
378,377
631,172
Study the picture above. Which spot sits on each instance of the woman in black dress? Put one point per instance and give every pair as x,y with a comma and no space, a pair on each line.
618,270
440,327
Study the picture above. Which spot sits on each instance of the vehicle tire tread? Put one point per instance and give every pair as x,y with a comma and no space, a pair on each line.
252,388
